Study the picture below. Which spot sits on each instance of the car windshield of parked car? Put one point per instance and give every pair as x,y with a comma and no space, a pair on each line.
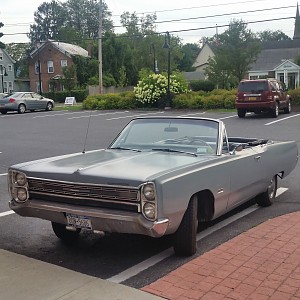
194,136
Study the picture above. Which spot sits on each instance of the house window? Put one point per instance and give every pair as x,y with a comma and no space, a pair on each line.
9,68
64,63
10,87
5,87
37,68
50,66
1,56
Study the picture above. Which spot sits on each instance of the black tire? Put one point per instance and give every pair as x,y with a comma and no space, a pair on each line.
275,111
65,235
185,243
266,198
21,109
49,106
288,109
3,112
241,113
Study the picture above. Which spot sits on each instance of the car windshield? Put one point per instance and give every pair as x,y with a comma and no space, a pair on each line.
190,136
253,86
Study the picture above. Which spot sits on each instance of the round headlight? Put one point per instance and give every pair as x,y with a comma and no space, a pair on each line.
149,192
21,194
149,210
20,179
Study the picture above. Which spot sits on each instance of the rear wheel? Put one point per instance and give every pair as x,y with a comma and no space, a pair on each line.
241,113
275,111
185,243
21,109
65,235
266,198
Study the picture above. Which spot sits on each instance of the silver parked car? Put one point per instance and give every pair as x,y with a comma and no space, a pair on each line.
159,176
22,101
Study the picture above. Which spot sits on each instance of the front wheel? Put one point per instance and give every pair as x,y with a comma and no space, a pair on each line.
288,109
266,198
49,106
65,235
185,243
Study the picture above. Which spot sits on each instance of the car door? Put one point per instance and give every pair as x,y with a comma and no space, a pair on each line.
246,175
38,101
27,99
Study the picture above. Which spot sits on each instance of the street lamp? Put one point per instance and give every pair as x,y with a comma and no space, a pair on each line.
5,74
167,45
155,68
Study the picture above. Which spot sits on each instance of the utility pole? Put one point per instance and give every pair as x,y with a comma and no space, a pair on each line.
100,45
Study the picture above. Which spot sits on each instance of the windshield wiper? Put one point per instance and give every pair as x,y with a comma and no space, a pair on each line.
175,151
123,148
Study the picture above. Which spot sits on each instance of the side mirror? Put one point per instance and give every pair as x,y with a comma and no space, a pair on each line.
238,148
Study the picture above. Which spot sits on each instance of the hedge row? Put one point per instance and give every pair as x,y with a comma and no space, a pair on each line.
200,100
295,94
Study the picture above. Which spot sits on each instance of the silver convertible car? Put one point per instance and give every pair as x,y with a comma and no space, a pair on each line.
22,101
160,176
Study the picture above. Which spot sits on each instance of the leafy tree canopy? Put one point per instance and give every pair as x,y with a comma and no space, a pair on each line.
271,35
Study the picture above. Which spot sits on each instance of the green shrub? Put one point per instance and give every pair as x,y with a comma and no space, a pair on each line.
191,100
295,94
125,100
201,85
60,97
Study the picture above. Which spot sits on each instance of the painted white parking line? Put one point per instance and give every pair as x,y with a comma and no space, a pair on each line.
283,119
135,270
194,114
228,117
101,114
138,115
168,252
61,114
6,213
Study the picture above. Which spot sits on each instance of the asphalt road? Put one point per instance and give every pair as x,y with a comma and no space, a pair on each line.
130,259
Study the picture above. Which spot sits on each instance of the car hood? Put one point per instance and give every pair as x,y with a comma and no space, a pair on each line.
116,167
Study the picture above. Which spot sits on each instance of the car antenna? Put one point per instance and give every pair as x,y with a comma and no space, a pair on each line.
87,132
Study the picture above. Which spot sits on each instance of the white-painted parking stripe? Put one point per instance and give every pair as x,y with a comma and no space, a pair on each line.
194,114
6,213
168,252
61,114
101,114
283,119
228,117
132,116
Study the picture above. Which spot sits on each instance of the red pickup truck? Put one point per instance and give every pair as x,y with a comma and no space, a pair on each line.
262,95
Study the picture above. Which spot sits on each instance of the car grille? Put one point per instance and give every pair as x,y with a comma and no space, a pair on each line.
105,196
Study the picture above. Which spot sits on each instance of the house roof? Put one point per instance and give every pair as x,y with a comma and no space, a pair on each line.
275,52
67,49
8,56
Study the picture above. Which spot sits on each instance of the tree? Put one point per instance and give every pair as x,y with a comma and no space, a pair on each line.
190,52
69,77
237,49
49,18
275,35
19,52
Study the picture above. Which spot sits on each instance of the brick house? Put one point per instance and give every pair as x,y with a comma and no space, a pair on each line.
51,56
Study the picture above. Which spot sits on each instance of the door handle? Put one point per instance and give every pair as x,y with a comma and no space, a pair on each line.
257,157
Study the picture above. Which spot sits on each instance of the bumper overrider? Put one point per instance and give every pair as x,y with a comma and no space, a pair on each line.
37,202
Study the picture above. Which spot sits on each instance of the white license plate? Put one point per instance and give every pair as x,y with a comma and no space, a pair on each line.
79,221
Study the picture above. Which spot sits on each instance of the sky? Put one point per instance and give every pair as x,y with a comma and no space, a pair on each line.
201,18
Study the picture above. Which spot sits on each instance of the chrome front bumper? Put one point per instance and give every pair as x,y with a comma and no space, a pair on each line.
106,220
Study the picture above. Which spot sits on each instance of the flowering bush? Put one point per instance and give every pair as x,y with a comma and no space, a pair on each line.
153,88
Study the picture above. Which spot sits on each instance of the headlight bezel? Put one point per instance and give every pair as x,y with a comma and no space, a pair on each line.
17,182
149,199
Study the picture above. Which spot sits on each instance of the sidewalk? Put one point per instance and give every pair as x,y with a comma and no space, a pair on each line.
262,263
